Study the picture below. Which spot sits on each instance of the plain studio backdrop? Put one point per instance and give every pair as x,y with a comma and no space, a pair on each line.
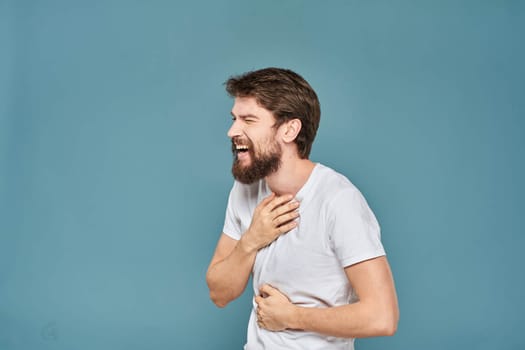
115,165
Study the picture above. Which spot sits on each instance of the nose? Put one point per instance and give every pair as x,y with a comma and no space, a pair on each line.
235,130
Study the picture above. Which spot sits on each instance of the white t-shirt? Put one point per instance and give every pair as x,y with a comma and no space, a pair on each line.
336,229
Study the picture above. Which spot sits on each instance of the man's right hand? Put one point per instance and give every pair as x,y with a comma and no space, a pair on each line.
273,217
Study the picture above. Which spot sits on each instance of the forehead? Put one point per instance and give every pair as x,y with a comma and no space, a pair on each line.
248,106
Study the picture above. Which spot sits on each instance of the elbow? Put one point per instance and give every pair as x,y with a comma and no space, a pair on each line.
382,328
387,326
382,321
217,295
220,294
389,330
217,300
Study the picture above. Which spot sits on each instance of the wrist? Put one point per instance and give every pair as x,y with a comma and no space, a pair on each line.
295,321
246,246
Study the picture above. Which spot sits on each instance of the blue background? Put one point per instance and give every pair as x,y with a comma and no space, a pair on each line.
114,161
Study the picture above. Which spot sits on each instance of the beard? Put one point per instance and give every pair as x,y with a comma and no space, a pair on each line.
262,163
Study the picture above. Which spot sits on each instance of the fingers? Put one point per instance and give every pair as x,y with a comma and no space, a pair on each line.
258,300
283,209
286,218
267,200
274,216
279,201
286,207
278,205
287,227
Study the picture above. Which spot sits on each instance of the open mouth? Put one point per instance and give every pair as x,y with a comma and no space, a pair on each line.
241,148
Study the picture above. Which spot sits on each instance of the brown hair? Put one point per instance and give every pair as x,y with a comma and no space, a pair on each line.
287,95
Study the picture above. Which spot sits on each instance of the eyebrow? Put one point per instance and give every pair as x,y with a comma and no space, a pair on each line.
243,116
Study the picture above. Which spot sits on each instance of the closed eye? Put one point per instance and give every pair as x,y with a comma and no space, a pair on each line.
246,118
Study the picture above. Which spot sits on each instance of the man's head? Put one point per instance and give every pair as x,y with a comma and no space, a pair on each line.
269,101
287,96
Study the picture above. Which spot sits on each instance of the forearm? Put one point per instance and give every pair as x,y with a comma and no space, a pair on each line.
356,320
233,261
227,278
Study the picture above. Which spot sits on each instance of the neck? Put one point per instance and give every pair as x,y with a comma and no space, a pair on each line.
291,176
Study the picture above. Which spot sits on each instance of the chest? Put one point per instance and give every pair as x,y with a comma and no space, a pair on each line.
301,261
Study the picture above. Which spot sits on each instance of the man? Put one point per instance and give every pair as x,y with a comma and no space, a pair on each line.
305,233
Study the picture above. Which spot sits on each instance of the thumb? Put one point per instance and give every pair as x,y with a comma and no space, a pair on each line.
266,290
268,199
265,201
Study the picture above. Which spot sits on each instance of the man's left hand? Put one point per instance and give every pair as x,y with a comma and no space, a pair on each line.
274,309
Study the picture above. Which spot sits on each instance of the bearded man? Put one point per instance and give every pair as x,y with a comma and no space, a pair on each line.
303,231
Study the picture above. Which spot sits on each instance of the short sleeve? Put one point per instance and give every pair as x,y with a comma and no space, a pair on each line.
354,233
232,222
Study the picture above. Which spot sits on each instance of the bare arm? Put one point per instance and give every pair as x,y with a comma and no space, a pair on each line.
233,260
229,270
375,314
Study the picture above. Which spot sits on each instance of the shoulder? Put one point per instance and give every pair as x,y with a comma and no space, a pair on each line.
332,184
345,208
337,194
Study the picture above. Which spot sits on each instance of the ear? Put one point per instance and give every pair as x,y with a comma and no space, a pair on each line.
291,130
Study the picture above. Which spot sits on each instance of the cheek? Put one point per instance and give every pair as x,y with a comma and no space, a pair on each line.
250,142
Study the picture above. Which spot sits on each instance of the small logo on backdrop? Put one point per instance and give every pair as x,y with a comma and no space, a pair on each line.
50,332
